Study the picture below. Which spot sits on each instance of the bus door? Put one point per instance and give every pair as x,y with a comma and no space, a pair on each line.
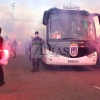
97,40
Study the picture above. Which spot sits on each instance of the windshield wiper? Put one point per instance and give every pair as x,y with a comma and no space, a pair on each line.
65,39
90,43
84,41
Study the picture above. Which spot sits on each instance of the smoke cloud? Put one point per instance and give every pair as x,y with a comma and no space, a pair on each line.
27,15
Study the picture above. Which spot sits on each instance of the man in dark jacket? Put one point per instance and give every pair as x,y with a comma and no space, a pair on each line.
35,49
14,46
2,82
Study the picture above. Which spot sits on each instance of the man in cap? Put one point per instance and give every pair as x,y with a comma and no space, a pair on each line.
35,49
14,46
2,82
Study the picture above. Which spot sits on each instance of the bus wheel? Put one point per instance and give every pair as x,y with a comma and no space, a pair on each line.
42,62
94,66
97,65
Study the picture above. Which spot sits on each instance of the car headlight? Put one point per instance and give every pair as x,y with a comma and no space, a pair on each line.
93,54
48,52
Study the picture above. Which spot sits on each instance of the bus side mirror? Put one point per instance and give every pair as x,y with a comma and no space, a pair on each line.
96,14
45,17
99,19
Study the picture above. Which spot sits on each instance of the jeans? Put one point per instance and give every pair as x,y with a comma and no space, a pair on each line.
1,74
36,63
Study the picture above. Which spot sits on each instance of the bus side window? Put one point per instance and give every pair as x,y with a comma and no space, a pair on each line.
85,26
74,24
85,23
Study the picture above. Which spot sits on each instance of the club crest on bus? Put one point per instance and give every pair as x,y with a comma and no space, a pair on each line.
73,49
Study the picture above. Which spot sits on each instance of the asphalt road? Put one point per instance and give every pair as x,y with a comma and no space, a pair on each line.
50,83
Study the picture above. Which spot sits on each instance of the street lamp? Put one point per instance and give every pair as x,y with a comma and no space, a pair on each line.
12,15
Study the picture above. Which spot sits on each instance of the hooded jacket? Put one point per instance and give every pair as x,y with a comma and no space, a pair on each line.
35,47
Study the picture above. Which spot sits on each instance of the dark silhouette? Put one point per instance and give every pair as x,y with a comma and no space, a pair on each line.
14,46
2,82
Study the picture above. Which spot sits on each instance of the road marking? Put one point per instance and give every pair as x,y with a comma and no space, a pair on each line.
97,87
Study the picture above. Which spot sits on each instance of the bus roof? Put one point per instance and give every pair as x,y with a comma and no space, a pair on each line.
60,11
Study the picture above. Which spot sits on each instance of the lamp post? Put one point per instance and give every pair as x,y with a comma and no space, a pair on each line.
12,17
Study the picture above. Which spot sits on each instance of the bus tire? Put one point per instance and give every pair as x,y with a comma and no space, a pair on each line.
43,63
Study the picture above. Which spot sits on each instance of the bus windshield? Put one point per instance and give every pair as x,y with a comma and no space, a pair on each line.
71,26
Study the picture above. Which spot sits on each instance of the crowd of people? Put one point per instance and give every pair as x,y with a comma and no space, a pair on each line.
30,50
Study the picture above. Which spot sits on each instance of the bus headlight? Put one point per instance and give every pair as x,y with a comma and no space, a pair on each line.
93,54
50,53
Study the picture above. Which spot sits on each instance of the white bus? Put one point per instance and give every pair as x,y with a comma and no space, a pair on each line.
70,36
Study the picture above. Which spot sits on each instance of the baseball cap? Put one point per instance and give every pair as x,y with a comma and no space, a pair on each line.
36,32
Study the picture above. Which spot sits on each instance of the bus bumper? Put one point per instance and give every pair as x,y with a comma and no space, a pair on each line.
61,60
